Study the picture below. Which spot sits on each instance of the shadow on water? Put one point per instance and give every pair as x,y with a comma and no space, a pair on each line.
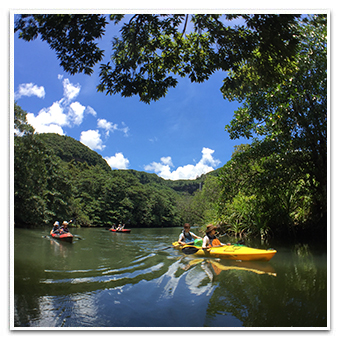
137,280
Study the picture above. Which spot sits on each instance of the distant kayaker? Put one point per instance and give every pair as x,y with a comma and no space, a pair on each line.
56,227
187,236
64,228
210,240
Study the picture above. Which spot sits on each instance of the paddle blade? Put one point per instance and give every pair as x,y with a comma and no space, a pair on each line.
190,250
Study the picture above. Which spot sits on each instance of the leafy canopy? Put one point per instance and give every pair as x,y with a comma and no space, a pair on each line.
154,49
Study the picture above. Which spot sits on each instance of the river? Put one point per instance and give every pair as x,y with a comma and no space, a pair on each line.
121,281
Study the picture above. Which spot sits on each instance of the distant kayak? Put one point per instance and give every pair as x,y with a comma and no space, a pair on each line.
120,231
68,237
230,252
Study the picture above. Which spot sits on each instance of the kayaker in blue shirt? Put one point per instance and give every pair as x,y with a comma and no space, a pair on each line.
187,236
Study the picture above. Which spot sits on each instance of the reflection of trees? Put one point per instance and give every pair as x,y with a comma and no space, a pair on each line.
65,285
297,297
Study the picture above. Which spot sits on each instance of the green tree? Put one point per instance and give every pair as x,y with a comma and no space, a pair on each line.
41,185
200,207
72,36
153,50
21,127
290,117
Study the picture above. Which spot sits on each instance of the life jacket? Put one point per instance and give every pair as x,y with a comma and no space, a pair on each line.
188,237
213,241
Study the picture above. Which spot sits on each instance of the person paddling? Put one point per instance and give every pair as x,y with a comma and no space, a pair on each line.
210,240
64,228
56,227
187,236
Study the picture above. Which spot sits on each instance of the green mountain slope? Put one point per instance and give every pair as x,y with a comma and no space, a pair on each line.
68,149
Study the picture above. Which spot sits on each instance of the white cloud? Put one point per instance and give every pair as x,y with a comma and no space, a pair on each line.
49,120
91,138
91,111
29,90
207,157
108,126
189,171
71,91
76,113
40,126
167,161
65,112
118,161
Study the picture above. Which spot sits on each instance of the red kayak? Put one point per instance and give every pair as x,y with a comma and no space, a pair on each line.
68,237
120,231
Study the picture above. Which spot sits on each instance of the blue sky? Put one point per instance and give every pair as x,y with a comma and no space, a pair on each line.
180,136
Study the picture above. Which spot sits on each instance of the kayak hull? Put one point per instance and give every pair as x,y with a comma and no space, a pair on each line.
230,252
120,231
67,237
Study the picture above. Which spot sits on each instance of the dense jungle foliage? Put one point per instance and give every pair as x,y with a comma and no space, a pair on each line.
274,186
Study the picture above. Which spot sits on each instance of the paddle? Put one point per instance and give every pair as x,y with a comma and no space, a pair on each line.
189,250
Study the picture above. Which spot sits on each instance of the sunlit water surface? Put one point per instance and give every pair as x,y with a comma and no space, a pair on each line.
132,280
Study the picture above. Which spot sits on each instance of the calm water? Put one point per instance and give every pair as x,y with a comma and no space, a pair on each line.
131,280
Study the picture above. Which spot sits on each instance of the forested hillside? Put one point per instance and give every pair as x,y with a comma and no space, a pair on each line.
68,149
59,178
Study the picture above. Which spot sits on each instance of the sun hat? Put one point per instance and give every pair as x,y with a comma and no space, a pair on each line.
56,223
65,222
210,227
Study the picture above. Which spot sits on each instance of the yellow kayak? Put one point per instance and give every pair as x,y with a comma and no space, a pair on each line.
231,252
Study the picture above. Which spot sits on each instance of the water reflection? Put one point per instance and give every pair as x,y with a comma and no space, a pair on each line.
214,267
296,297
107,280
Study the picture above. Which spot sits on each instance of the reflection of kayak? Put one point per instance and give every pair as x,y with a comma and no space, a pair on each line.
231,252
64,236
120,231
224,265
255,267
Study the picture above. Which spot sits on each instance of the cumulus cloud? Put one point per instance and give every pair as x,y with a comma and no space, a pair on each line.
29,90
63,113
118,161
67,112
76,113
49,120
71,91
167,161
107,126
189,171
91,138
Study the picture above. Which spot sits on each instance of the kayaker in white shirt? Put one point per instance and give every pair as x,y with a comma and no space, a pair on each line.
210,240
187,236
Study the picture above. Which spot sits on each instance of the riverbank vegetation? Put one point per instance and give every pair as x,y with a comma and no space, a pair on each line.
274,186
